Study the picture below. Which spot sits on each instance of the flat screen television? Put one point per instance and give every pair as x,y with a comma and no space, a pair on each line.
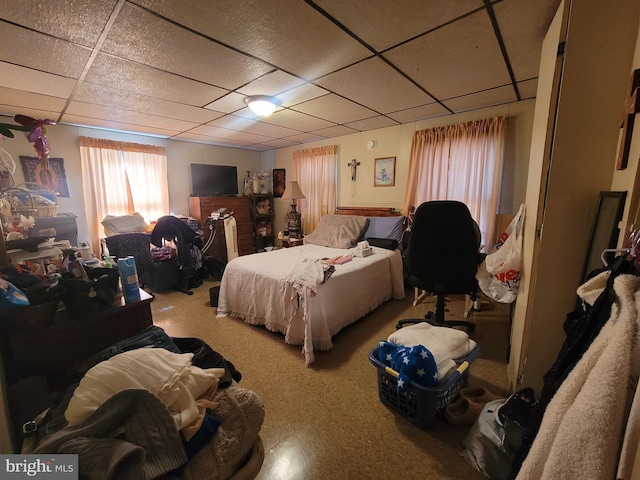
212,180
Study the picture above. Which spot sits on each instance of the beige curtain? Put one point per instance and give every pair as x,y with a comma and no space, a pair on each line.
315,171
121,178
459,162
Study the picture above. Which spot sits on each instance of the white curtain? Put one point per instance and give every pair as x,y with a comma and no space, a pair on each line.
315,171
120,179
459,162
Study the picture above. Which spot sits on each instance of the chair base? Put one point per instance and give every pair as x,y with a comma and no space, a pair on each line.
432,319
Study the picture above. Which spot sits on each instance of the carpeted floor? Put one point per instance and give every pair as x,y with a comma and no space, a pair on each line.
326,421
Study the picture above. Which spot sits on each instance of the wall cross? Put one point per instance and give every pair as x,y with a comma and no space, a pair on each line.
353,164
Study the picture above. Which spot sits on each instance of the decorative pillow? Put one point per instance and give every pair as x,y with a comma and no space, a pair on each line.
386,227
114,225
338,231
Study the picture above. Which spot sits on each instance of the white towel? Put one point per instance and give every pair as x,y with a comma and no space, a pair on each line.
443,342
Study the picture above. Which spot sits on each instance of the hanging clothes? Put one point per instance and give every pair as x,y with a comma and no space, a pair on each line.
581,430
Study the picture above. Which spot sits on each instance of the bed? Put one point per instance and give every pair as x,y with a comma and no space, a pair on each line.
261,289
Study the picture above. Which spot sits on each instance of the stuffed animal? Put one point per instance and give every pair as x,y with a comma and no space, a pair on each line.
414,364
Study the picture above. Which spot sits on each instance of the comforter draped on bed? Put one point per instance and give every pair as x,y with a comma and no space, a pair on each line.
254,288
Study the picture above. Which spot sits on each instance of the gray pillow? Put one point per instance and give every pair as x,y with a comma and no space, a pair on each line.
338,231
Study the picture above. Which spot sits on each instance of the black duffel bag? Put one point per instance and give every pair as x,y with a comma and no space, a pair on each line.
88,300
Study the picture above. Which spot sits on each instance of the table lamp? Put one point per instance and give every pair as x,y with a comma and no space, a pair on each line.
294,221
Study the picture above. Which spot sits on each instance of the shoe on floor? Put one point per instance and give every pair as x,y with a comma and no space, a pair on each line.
463,411
478,394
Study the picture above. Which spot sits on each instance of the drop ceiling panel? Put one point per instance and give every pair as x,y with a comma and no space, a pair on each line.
20,78
335,109
271,84
419,113
102,112
528,88
137,35
288,34
301,94
41,52
495,96
78,21
226,133
375,84
233,122
335,131
524,45
192,137
17,98
457,59
372,123
383,24
122,99
120,74
115,124
296,120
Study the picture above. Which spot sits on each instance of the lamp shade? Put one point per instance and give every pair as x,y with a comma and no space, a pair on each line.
292,191
262,105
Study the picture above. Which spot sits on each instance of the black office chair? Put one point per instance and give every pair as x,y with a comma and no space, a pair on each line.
443,256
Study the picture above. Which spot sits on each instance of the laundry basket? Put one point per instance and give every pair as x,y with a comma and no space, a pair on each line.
43,200
420,405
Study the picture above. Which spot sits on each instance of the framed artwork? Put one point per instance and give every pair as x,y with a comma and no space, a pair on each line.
385,172
279,182
56,179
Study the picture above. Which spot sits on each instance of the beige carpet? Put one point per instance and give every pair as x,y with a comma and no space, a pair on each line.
326,421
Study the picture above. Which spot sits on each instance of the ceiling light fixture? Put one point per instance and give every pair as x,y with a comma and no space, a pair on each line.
262,105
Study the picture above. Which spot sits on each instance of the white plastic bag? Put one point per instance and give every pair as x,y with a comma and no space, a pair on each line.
499,274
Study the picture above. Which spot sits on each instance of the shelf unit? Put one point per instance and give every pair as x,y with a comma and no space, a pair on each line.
262,215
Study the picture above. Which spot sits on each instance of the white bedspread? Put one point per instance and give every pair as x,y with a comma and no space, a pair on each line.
254,289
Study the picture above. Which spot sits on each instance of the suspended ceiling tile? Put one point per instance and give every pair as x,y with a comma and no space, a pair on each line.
300,94
271,84
372,123
288,34
419,113
78,21
296,120
21,98
118,74
233,122
375,84
258,148
228,134
383,24
116,125
41,52
141,120
20,78
335,109
142,37
249,114
112,97
335,131
495,96
279,143
458,59
193,137
227,104
528,88
523,25
305,137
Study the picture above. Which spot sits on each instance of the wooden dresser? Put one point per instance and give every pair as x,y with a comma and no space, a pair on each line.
200,208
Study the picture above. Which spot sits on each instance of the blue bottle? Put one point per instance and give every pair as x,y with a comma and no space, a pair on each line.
129,276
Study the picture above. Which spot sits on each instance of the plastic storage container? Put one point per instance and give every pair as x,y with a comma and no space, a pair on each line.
129,276
419,404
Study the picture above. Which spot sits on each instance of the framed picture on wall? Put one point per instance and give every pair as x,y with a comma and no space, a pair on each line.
55,178
279,182
385,172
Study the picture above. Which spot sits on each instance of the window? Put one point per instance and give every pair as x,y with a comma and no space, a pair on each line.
122,178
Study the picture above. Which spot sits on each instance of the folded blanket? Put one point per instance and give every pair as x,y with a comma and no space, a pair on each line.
443,342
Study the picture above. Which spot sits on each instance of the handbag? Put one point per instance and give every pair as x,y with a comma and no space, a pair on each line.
87,300
499,274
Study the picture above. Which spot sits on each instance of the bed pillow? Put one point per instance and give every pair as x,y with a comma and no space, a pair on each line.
338,231
386,227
